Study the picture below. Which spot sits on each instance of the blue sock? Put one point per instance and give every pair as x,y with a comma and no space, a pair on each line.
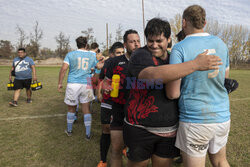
76,113
87,123
70,120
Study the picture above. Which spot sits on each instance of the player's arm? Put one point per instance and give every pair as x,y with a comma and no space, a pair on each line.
99,91
106,85
10,76
173,89
34,72
176,71
63,70
97,68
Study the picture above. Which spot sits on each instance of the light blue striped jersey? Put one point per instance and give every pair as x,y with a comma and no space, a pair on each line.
203,98
80,63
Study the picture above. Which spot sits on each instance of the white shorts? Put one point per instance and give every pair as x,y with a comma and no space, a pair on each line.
75,92
195,139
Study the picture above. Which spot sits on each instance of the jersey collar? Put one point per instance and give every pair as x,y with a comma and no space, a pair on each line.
82,50
201,34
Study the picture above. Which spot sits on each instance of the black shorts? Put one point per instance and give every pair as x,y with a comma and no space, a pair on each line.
105,115
143,144
117,117
20,84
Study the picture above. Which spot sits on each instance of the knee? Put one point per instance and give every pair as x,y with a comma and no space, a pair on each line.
220,162
106,129
117,148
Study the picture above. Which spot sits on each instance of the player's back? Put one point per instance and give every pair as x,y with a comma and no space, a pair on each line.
204,98
80,64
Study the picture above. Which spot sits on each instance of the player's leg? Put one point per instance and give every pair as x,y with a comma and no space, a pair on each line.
164,151
191,161
219,159
86,96
76,113
17,89
193,141
105,137
140,144
217,146
116,132
117,145
71,99
87,118
70,119
27,84
16,95
161,162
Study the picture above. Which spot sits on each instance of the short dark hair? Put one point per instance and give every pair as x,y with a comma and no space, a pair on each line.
21,49
157,26
130,31
115,46
81,42
180,36
98,51
196,15
94,45
170,44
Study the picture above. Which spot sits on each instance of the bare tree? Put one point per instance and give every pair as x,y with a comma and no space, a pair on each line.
47,53
238,49
213,27
63,46
22,37
89,34
176,26
119,36
35,37
6,49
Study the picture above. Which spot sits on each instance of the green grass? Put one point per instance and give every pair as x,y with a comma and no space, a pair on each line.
42,142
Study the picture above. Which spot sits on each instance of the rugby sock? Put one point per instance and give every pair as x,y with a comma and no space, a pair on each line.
70,120
76,113
104,146
87,122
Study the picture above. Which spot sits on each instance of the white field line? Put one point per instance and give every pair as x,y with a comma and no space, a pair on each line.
61,115
33,117
240,99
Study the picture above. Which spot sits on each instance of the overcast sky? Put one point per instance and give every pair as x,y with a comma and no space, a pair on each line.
73,16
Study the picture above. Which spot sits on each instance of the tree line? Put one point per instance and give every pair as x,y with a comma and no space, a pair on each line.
236,38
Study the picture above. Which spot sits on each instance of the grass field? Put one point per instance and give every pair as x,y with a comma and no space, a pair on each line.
35,141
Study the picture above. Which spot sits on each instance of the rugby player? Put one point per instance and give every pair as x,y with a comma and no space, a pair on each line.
79,63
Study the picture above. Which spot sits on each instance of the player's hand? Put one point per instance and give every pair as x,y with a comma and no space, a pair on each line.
10,78
34,78
100,64
99,56
106,87
205,62
99,97
59,87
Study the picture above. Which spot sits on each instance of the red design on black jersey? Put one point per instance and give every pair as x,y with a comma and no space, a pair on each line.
105,71
155,61
120,99
118,70
140,105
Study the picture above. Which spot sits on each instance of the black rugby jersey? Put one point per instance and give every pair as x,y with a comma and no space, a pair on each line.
119,65
147,104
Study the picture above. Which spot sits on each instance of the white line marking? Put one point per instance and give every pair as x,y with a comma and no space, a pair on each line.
240,99
33,117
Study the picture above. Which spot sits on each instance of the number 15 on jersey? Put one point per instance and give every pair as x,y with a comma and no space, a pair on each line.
83,63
